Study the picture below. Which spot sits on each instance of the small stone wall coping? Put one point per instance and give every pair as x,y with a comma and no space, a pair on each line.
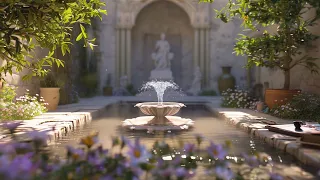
248,121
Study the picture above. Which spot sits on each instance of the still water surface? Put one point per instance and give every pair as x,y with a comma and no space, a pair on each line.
205,123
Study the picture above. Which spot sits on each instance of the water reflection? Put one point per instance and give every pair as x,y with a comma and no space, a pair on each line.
205,123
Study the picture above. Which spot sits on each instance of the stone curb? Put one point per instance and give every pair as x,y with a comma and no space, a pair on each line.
288,144
60,122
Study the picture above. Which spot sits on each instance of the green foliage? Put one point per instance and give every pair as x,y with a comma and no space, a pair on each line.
282,49
27,25
8,93
23,108
90,83
237,98
208,93
131,90
303,107
51,81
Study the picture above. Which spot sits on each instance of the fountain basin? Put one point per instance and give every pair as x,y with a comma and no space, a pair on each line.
160,117
156,109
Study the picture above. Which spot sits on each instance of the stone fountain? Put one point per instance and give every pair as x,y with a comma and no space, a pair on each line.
160,115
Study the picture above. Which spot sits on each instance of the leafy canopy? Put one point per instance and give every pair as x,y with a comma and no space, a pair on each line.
30,24
283,49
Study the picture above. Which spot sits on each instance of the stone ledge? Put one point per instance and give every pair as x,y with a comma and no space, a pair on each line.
249,122
60,122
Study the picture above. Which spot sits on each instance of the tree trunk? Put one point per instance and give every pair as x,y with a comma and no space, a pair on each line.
286,80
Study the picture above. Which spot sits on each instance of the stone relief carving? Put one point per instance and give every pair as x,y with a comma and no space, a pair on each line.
128,10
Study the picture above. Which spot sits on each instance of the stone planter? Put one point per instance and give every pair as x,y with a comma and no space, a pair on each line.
275,97
51,96
226,80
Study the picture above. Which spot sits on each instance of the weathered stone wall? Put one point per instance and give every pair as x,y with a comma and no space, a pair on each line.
16,78
222,41
301,78
222,38
108,43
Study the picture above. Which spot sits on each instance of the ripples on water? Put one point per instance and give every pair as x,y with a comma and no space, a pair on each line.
205,123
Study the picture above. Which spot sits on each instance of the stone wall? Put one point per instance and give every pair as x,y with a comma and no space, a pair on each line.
301,78
174,20
16,78
108,43
222,41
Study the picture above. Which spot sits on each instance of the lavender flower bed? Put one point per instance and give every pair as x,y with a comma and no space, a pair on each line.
124,160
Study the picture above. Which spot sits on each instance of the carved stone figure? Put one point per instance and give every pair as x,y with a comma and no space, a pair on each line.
162,56
196,83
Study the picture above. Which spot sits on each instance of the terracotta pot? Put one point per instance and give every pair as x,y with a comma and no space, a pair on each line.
107,91
226,80
260,106
51,96
279,96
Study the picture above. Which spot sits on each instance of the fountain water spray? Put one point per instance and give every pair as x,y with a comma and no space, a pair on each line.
160,87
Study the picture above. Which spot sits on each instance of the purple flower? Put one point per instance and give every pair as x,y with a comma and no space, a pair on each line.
189,148
38,136
7,149
95,160
252,161
167,172
224,173
22,146
176,160
183,173
107,177
138,153
216,151
274,176
11,126
75,153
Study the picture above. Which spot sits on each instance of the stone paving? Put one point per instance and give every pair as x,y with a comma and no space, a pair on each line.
69,117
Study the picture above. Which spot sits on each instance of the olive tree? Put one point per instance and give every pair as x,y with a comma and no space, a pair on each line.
283,49
26,25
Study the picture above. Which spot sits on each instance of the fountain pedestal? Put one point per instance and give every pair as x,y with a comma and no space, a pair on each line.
161,74
160,117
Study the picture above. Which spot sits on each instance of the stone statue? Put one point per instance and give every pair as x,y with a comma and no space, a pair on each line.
195,88
123,81
162,56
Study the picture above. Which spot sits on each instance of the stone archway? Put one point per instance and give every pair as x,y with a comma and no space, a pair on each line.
153,19
195,19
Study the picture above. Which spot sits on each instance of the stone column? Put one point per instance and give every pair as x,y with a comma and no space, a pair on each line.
118,64
202,52
208,60
196,48
128,54
123,52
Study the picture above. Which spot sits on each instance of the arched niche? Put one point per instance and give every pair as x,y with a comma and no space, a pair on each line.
152,19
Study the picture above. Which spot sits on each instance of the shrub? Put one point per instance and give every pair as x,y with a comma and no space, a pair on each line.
125,160
302,106
208,93
237,98
22,108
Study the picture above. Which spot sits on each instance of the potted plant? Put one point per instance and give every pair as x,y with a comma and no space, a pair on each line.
50,91
107,90
283,49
